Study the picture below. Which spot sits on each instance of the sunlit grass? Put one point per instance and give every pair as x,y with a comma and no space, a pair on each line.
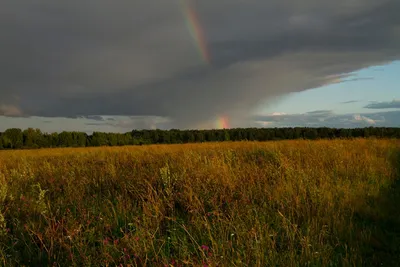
287,203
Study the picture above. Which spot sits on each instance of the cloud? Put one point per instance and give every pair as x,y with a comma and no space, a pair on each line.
330,119
138,58
320,113
59,124
10,111
364,119
346,77
133,122
359,79
350,102
384,105
91,117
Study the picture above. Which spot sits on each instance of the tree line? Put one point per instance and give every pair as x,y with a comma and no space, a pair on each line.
33,138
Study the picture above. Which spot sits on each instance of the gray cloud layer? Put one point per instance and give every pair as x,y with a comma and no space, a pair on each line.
97,57
330,119
384,105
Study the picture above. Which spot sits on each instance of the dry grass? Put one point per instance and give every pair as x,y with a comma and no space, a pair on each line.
288,203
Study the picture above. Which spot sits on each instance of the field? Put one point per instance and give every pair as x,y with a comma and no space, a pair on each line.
286,203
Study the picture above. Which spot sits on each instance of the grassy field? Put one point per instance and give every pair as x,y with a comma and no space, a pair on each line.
288,203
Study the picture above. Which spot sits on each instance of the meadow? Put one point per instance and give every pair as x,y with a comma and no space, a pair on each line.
286,203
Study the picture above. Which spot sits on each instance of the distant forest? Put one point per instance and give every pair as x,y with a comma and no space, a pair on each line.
34,138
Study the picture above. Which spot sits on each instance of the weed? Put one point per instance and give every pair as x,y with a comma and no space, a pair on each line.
287,203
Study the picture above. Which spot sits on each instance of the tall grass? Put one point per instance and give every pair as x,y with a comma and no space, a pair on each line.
288,203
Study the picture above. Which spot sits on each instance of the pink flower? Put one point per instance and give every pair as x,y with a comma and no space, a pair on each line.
205,248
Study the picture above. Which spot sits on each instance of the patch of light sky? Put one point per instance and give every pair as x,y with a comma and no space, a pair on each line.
378,83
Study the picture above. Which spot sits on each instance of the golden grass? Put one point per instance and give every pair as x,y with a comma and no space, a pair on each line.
286,203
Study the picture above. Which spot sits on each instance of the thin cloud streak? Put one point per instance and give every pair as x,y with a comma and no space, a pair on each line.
350,102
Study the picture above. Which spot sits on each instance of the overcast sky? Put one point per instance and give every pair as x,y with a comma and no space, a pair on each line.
145,63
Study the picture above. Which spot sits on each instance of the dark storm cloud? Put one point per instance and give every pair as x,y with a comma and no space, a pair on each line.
87,58
384,105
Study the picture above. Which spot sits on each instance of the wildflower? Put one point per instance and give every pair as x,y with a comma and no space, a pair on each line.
205,248
116,241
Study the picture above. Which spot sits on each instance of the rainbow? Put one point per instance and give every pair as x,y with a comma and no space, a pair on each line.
196,30
222,123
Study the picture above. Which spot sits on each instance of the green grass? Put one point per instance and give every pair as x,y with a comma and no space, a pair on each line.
288,203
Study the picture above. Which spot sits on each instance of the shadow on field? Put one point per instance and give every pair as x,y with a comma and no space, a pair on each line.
381,218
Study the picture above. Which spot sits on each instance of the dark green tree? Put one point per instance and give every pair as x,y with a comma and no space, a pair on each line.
13,138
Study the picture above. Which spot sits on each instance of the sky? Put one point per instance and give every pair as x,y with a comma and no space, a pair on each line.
369,97
97,65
